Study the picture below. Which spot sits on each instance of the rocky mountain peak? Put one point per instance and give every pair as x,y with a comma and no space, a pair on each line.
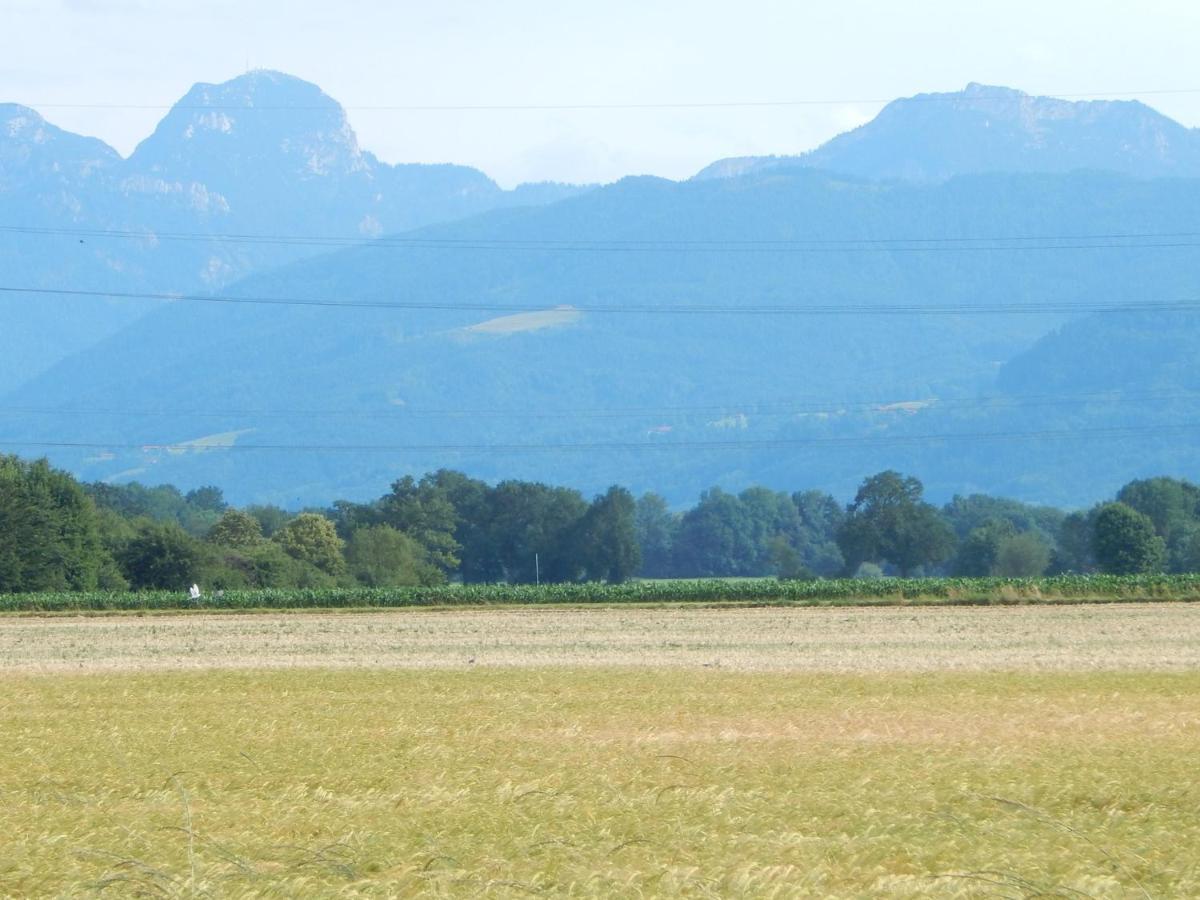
262,123
29,144
989,128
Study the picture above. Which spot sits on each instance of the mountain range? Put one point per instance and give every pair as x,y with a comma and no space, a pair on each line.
944,291
984,128
264,154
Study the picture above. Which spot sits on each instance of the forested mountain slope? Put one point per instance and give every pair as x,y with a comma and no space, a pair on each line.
832,323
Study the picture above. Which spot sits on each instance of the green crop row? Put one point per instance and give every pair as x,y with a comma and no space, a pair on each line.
1065,588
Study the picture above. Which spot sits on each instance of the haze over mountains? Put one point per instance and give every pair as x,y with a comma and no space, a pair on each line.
264,154
949,269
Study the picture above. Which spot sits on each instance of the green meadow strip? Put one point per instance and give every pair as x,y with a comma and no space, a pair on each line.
882,591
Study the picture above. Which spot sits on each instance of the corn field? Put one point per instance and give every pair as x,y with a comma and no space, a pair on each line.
849,592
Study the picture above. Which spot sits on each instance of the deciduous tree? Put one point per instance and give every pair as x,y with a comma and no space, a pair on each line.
656,528
236,529
1173,505
49,530
889,521
422,510
606,539
381,556
1024,555
1124,541
313,539
161,556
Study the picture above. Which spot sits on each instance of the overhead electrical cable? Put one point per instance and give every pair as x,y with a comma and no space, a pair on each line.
620,446
999,96
824,309
749,409
990,243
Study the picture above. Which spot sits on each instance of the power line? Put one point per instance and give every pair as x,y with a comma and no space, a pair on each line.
1006,96
995,243
749,408
402,239
956,309
622,446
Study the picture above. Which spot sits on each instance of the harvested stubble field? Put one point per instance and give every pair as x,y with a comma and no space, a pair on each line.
1080,637
837,752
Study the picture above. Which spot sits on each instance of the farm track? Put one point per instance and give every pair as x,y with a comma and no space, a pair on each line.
1104,637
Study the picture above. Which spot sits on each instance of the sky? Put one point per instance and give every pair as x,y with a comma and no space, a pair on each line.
562,52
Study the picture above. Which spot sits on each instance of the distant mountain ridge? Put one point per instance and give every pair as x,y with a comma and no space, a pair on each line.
263,154
932,137
457,355
480,337
272,155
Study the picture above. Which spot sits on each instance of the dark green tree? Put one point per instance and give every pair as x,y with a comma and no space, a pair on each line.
348,517
888,521
770,515
716,538
606,539
270,518
381,556
469,498
1073,545
786,561
209,498
1124,541
528,521
163,503
49,531
161,556
978,551
1025,555
422,510
965,514
269,565
656,528
1189,560
1173,505
821,516
1168,502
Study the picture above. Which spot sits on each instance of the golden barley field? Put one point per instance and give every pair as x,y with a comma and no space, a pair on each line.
1000,756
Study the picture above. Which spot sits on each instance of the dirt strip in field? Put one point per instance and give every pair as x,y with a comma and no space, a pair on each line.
1051,638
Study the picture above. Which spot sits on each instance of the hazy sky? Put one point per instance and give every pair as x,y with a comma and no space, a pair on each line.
545,52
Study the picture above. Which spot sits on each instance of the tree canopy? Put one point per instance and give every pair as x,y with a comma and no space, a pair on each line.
606,539
49,531
889,522
312,538
56,534
381,556
1124,541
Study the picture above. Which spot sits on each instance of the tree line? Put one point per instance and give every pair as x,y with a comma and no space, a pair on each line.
59,534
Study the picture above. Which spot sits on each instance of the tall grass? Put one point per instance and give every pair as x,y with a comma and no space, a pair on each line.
850,592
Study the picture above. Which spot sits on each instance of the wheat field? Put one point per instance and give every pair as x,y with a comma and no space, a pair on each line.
1023,752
